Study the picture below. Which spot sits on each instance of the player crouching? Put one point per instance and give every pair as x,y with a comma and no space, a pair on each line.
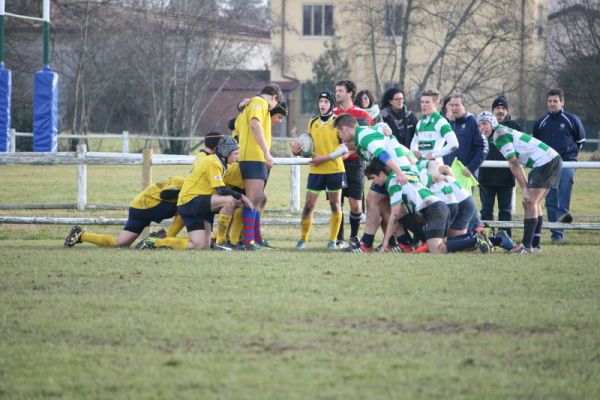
202,196
414,198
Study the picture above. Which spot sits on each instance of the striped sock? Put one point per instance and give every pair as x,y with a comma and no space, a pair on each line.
257,234
248,222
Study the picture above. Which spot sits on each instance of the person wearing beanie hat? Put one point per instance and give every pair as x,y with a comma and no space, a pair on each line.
498,183
564,132
521,149
326,172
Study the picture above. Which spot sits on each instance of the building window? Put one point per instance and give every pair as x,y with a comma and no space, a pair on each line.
308,104
317,20
393,20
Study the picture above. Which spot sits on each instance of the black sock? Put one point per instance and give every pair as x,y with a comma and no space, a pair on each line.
537,235
367,239
405,239
528,231
462,243
354,223
340,235
496,241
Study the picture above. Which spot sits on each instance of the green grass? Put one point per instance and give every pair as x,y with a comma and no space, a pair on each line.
100,323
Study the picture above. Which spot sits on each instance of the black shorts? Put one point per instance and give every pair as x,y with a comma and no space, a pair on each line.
379,189
545,176
466,210
452,211
197,211
140,218
355,175
254,170
329,182
436,220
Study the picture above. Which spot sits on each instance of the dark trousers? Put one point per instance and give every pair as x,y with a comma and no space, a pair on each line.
488,195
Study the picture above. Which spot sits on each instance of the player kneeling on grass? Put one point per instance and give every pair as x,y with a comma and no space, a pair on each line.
414,198
202,196
326,172
156,203
521,149
370,144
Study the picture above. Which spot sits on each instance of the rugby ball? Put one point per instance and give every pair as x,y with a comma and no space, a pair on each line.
306,145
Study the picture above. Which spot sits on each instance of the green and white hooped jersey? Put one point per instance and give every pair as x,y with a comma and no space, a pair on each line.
458,189
441,189
430,133
530,151
370,143
414,195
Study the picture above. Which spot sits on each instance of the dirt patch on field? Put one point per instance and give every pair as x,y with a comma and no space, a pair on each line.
401,327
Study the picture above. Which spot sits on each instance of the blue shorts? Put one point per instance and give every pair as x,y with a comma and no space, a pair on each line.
436,220
254,170
196,212
466,210
140,218
545,176
328,182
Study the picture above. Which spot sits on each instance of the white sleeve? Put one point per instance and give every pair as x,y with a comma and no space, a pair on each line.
450,146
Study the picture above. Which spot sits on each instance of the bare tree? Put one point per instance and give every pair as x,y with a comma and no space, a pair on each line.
574,54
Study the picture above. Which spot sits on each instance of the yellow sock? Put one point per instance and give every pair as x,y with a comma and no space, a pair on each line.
176,226
305,225
180,243
223,222
236,226
99,239
334,225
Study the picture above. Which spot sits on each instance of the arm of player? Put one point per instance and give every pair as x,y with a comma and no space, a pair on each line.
414,147
339,152
519,173
450,146
395,212
259,136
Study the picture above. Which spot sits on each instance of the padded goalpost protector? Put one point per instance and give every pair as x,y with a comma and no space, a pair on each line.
45,110
5,92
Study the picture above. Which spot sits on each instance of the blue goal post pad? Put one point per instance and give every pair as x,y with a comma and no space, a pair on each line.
5,91
45,110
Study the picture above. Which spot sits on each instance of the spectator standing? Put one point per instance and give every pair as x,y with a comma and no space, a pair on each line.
399,118
563,132
498,183
365,101
472,148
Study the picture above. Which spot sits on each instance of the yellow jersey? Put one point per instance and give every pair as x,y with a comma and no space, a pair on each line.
325,140
258,109
204,179
233,176
151,196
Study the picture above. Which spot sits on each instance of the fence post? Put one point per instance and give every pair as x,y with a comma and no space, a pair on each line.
81,178
147,169
12,136
295,188
125,141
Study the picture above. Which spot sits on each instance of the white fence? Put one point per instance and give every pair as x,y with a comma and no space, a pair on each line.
82,158
125,137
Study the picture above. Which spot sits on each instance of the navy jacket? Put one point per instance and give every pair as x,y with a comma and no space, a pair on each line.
500,177
563,132
472,148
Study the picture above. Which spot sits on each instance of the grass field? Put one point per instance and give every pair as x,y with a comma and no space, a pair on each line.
99,323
